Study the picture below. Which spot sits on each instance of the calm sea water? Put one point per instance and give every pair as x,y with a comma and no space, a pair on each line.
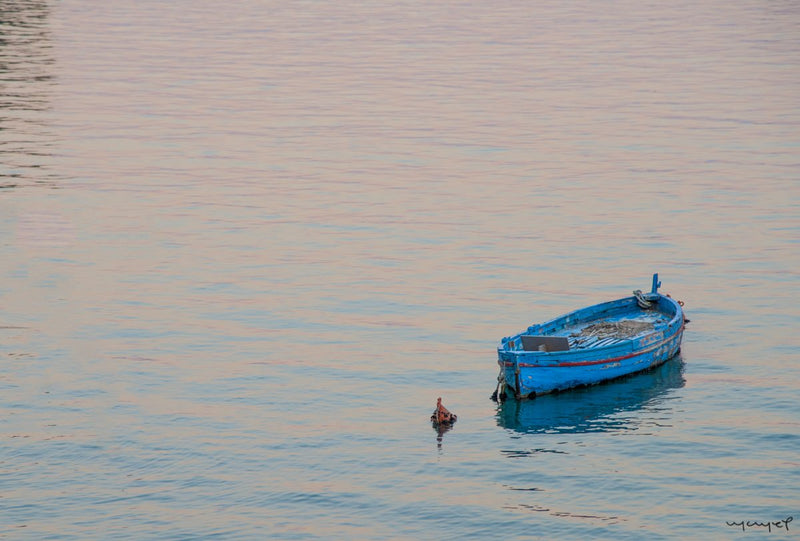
245,246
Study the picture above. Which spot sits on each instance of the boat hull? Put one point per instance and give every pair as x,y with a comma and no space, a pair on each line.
526,374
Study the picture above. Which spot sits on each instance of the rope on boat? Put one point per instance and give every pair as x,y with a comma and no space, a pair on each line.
643,303
626,328
500,392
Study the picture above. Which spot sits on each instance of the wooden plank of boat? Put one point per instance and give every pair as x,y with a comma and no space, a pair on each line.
591,345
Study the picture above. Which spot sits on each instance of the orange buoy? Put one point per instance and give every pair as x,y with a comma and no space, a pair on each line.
441,415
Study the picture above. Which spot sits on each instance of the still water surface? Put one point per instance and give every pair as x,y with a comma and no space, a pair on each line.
244,248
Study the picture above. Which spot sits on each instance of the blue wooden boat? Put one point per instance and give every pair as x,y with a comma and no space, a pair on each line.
591,345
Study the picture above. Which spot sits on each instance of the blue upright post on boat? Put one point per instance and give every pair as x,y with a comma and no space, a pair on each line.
656,285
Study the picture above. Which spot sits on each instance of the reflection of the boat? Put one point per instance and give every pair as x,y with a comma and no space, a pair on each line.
598,408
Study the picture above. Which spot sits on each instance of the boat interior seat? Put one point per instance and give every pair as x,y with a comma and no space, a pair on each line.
544,343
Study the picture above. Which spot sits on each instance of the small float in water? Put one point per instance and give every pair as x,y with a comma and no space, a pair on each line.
591,345
442,417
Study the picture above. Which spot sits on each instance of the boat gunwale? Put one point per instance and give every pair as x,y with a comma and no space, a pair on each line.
558,364
593,353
